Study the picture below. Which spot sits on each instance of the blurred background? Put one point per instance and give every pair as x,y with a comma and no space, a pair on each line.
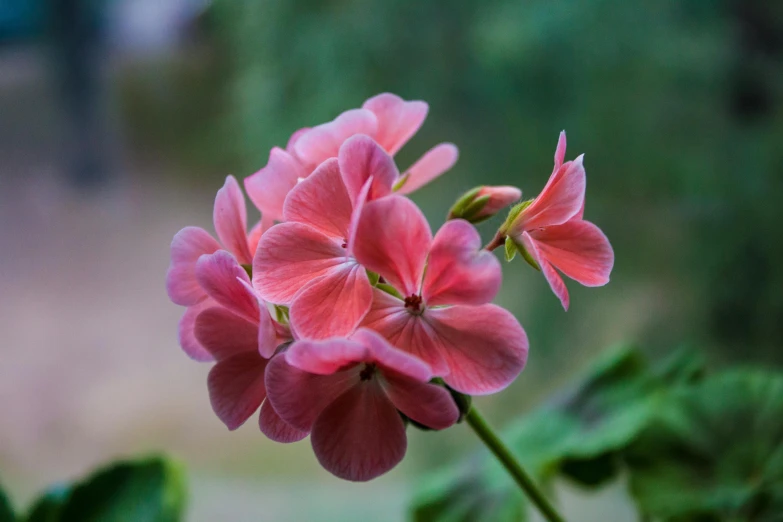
120,119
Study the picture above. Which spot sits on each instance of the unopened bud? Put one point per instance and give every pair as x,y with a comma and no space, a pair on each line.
483,202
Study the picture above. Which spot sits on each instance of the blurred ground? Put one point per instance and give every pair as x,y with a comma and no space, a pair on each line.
91,369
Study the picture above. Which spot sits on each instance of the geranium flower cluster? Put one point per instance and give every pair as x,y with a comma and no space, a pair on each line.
340,315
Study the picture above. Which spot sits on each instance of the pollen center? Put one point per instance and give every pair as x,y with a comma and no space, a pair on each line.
413,303
367,373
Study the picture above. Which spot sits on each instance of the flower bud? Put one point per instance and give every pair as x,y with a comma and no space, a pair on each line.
483,202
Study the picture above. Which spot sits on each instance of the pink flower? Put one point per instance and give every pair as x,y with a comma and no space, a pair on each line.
396,121
235,328
387,118
347,393
442,314
308,262
551,230
269,187
190,243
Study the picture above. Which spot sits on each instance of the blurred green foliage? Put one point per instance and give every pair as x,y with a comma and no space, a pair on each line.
6,511
694,448
148,490
717,455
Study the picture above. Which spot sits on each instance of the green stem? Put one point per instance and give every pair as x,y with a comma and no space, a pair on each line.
504,455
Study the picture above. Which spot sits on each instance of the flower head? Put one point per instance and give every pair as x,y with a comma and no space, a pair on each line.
442,314
307,262
348,394
370,307
551,230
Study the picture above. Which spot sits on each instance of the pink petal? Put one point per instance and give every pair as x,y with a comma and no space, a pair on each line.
484,346
334,304
298,396
435,162
398,120
550,274
187,334
289,256
404,330
271,334
581,213
360,159
560,200
225,334
578,249
358,207
560,151
236,388
425,403
269,187
321,201
459,271
390,358
276,428
326,357
181,285
360,436
220,275
392,239
294,138
322,142
188,245
230,218
283,332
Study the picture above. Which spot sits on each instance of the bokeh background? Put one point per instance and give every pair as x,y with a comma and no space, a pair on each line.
121,118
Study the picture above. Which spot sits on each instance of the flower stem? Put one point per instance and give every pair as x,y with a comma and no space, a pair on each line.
497,241
515,469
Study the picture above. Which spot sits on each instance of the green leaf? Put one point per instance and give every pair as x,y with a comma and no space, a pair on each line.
49,506
717,453
151,490
511,249
581,434
6,511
